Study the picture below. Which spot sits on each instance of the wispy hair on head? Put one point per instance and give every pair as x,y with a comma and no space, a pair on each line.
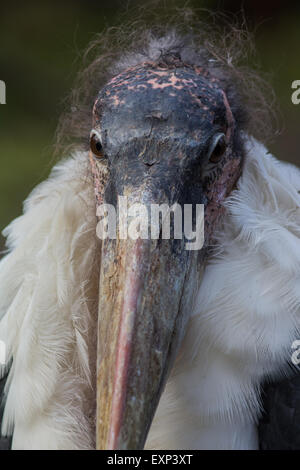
223,45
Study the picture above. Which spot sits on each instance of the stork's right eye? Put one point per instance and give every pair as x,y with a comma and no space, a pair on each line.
96,146
217,148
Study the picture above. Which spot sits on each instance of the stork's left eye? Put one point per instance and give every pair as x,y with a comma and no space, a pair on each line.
96,145
218,148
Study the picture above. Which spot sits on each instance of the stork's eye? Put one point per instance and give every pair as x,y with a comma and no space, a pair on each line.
217,148
95,145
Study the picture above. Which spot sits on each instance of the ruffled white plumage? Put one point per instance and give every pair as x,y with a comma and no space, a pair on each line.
48,291
241,330
246,316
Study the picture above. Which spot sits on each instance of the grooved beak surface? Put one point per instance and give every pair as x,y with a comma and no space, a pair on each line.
140,322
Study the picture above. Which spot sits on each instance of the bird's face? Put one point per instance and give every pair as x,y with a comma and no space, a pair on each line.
161,135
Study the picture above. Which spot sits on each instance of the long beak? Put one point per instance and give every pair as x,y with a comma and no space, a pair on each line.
143,296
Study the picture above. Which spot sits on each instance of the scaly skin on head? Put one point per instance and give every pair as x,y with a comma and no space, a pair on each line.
176,81
156,126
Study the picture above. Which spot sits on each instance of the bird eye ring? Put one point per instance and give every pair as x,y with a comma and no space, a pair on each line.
218,148
95,145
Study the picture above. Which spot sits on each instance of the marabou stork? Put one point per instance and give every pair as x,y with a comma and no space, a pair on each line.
186,339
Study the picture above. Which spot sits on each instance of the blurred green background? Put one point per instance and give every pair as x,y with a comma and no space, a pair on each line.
40,46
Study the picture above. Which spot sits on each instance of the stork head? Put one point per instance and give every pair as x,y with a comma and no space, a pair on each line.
162,133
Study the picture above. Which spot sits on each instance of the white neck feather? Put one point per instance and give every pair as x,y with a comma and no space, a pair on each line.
240,331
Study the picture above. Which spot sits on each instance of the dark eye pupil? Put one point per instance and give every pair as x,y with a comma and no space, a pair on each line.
96,146
218,150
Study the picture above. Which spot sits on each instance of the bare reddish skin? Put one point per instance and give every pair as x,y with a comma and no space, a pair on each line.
100,175
126,336
159,79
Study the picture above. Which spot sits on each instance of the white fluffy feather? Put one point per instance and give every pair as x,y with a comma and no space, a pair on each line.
241,330
48,288
246,317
